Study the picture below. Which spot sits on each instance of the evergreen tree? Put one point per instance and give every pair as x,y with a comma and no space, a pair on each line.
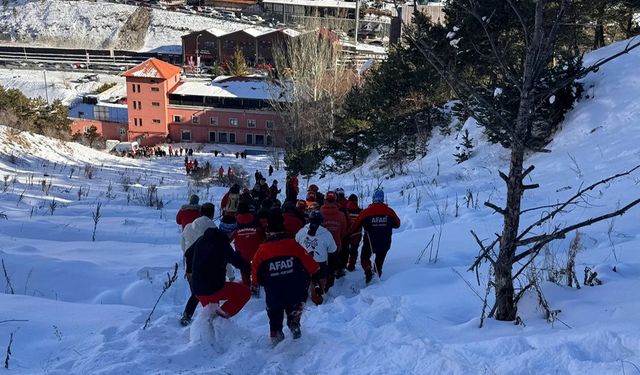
238,65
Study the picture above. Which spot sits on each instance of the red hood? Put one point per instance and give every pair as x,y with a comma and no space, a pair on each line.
351,205
329,208
245,218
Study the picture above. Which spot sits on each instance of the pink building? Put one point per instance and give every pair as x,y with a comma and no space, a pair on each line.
163,107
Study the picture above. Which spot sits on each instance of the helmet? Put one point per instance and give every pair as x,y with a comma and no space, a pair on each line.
340,192
313,187
315,217
330,197
378,196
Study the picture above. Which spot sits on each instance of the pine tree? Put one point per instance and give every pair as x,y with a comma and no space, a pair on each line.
465,148
238,64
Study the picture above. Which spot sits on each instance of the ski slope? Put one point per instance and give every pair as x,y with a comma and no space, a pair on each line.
78,306
95,25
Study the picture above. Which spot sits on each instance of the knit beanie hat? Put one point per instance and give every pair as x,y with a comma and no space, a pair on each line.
194,199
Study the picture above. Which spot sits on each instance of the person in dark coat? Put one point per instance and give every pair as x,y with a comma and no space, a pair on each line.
270,170
284,269
378,221
273,190
208,258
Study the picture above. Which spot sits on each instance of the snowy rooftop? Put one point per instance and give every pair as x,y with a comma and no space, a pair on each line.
229,87
315,3
255,31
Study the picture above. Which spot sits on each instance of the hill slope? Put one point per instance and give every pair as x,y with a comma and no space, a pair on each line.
82,304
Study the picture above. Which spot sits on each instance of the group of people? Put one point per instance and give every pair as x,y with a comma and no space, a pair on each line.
293,250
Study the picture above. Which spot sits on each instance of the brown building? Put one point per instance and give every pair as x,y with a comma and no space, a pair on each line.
212,46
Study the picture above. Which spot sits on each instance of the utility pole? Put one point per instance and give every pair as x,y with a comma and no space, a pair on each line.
46,89
357,21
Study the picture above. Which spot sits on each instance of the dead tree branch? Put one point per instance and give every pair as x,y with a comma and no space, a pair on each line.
7,278
167,284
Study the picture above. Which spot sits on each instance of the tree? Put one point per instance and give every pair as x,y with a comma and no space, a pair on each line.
238,65
395,109
310,85
514,47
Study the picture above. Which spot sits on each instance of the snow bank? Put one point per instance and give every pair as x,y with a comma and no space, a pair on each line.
82,304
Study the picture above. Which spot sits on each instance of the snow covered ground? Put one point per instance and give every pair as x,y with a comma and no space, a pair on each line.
79,305
95,25
66,86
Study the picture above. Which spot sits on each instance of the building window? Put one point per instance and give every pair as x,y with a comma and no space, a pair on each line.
135,122
122,131
269,124
212,137
222,137
133,87
233,122
177,118
135,105
259,139
139,105
249,139
195,119
232,137
213,121
140,122
186,135
155,104
269,140
251,123
138,88
86,129
156,121
155,89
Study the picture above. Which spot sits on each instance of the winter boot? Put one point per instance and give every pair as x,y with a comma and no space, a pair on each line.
294,327
276,337
368,276
351,267
185,320
316,295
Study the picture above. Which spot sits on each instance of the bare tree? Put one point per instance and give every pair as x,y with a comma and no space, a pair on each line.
540,28
311,83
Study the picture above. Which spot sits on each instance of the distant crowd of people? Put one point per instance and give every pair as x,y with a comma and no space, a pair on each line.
293,249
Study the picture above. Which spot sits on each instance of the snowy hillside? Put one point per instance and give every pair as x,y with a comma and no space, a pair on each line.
88,24
66,86
78,306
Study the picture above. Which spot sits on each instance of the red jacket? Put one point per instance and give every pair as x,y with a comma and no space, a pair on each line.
292,223
284,269
248,235
335,221
187,214
354,211
378,221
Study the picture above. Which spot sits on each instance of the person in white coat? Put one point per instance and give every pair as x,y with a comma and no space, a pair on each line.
191,233
319,243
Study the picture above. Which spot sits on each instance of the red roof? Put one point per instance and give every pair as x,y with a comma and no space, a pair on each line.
153,68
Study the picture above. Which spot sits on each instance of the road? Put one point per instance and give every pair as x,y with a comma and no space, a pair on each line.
64,59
